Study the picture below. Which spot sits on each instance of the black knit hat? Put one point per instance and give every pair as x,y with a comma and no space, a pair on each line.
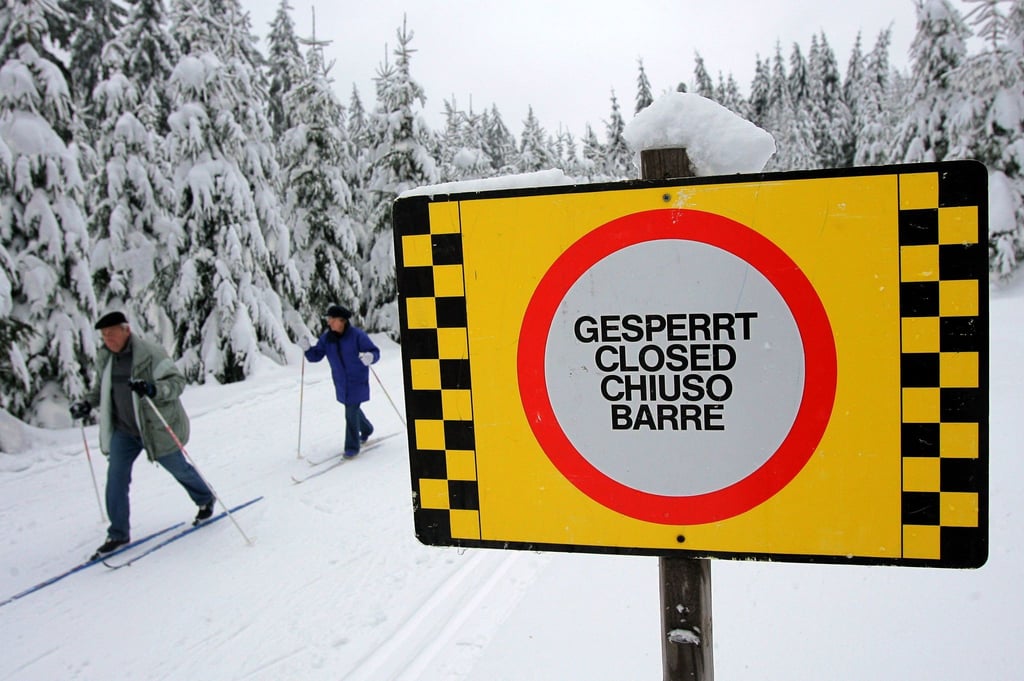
339,311
111,319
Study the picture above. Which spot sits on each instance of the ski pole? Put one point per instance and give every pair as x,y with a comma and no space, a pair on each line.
170,431
92,472
386,394
302,386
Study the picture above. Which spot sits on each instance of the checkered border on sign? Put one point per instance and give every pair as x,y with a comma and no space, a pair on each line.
943,370
435,353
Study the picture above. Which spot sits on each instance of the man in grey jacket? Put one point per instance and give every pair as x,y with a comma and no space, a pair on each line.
130,370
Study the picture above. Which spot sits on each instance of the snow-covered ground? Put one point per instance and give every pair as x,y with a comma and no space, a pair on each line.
335,585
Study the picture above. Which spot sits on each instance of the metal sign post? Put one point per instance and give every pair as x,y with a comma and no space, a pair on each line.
686,643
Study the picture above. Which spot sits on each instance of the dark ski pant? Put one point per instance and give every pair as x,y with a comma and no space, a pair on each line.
124,449
357,428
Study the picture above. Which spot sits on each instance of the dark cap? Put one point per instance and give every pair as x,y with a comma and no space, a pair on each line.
111,319
339,312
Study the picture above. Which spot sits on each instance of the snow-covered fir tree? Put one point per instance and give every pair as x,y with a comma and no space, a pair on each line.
94,24
152,53
359,173
315,157
852,97
618,159
450,141
875,116
937,51
592,152
475,161
990,22
461,145
1015,155
788,124
727,93
760,93
14,333
535,152
149,55
498,142
284,65
799,86
703,85
989,123
46,282
135,235
399,139
235,251
356,122
644,97
829,116
568,154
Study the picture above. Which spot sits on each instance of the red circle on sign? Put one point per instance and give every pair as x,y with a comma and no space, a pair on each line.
778,268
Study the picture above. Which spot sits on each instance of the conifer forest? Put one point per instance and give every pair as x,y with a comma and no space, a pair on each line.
154,160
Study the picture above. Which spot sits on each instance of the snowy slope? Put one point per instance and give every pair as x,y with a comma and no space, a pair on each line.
335,585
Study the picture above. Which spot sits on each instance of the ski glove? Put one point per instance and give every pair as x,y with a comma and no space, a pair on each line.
304,343
79,410
142,388
366,358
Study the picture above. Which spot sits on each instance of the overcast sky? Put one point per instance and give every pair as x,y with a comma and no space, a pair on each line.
564,57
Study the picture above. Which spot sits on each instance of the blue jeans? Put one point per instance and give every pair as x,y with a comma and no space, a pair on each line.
357,427
124,449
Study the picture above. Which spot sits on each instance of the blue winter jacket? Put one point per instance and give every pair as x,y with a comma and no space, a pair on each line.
351,376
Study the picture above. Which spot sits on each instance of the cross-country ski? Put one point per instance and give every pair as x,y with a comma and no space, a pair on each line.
338,460
338,455
89,563
117,565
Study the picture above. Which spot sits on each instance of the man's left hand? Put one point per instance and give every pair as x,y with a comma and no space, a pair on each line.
366,358
142,388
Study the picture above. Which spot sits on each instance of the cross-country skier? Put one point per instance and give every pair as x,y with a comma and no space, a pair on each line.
350,352
129,370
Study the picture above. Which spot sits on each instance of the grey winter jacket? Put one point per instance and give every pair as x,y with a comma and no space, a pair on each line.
149,363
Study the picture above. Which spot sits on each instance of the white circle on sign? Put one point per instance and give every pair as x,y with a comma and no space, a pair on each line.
634,418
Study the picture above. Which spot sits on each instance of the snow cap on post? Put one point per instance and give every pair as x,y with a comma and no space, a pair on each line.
339,312
111,319
717,141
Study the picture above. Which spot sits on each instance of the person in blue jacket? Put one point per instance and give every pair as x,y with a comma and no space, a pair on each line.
350,352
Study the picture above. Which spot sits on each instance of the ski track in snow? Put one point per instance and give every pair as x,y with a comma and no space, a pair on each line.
409,650
363,599
336,587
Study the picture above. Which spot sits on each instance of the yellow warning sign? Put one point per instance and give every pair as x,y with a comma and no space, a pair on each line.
786,366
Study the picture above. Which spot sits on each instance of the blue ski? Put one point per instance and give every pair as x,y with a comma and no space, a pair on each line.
175,537
88,563
331,458
339,459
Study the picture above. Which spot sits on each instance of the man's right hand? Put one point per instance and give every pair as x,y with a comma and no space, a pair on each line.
304,343
79,410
